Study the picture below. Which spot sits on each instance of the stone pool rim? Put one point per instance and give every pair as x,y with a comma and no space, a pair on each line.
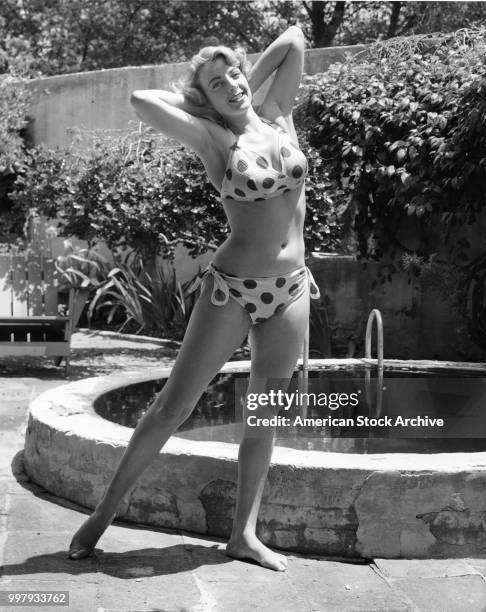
64,424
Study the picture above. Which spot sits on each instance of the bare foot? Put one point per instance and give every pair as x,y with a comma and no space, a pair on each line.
252,548
86,537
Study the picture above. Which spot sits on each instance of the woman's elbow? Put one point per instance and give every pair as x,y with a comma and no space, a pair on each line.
297,35
136,97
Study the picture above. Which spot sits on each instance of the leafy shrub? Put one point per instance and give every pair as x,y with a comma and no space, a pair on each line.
401,132
328,226
81,268
143,195
129,195
402,136
14,101
152,298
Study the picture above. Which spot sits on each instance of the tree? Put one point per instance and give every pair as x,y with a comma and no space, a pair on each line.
347,23
395,13
323,32
58,36
427,17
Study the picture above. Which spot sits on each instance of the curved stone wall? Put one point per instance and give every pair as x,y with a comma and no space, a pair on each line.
99,100
372,505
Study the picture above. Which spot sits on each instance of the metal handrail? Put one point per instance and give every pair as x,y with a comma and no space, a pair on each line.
303,375
375,315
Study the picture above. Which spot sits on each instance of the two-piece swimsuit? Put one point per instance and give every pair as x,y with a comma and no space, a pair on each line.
250,177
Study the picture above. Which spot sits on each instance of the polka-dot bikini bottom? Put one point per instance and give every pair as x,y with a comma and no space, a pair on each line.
261,297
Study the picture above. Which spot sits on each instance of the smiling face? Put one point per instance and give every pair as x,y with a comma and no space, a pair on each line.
225,87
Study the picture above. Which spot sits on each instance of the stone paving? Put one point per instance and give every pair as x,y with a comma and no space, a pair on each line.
137,568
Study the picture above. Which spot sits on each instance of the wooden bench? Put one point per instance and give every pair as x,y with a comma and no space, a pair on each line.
30,323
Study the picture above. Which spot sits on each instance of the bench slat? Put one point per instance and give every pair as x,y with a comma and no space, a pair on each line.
34,349
30,324
20,331
42,319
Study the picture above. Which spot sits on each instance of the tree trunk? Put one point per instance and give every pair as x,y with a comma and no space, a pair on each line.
323,33
392,28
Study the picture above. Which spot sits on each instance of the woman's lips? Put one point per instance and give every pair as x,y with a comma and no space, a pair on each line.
237,97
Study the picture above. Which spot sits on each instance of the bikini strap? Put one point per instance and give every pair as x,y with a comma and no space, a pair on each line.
220,293
314,292
272,123
232,148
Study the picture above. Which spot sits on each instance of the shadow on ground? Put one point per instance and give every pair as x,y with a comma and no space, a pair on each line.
141,563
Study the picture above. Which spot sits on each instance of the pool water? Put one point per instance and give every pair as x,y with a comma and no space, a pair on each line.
344,412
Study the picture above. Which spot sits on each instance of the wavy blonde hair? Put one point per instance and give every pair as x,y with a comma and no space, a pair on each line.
189,85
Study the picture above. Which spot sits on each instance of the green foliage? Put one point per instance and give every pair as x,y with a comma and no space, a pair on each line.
45,185
152,298
440,16
13,111
81,268
401,132
367,22
14,102
141,193
58,36
148,205
328,226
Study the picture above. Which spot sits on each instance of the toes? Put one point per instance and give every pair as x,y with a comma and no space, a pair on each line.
280,565
78,550
80,553
259,554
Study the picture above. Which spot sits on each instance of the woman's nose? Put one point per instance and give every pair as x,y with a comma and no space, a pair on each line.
231,85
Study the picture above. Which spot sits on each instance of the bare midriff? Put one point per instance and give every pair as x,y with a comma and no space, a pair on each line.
266,237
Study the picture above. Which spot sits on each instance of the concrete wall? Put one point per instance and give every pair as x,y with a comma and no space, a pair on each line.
418,322
99,100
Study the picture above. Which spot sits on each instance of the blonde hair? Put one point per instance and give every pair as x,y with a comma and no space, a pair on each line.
189,85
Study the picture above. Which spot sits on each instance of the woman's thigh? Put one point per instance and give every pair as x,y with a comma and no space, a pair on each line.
277,343
212,336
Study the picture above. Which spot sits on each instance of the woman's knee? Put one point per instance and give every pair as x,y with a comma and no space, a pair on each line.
170,411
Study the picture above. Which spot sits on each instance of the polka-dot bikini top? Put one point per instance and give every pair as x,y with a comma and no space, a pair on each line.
250,176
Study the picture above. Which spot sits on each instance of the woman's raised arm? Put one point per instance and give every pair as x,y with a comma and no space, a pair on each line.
286,56
174,116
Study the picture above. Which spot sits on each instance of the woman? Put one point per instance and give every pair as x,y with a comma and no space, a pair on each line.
257,282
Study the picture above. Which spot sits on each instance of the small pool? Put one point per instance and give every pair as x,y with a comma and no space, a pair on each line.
337,489
412,405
